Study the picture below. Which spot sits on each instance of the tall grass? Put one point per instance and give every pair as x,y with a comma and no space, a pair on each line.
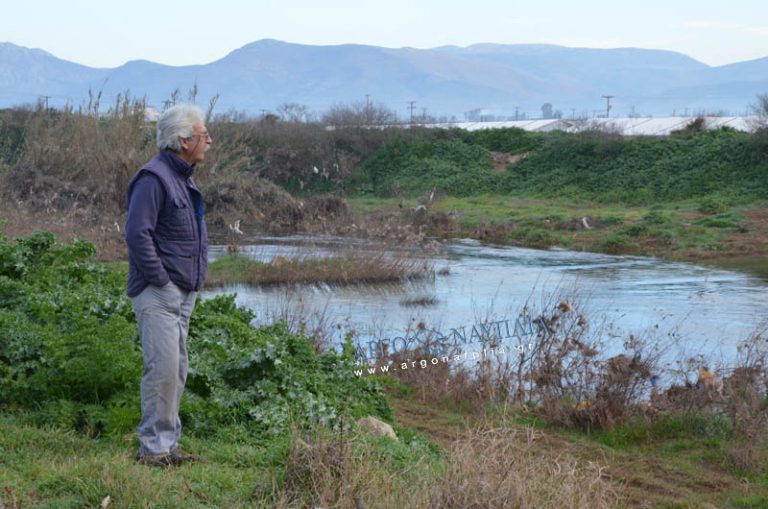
79,161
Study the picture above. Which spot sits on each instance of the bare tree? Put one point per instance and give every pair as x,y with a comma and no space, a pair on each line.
295,112
359,114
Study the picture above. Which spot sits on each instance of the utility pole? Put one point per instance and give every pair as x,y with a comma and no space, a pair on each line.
608,104
411,106
46,97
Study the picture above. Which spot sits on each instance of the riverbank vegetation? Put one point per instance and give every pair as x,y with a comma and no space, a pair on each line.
694,194
704,229
566,422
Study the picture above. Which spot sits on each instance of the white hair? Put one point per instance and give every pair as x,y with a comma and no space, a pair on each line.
176,123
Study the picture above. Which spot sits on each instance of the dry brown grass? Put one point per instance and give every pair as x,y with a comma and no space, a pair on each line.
560,372
79,162
502,467
486,467
470,388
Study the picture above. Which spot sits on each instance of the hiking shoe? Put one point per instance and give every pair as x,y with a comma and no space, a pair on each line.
178,455
157,460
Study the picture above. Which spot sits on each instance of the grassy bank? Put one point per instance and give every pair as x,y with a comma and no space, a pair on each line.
697,229
444,455
690,196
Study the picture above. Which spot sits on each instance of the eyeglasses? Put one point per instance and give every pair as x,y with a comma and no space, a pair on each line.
203,136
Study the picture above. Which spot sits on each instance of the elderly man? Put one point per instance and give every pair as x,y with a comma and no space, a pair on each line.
167,251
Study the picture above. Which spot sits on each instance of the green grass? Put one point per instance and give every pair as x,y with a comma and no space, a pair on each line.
48,467
676,230
51,467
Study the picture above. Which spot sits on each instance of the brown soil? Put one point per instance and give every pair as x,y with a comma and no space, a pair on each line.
439,425
503,159
755,240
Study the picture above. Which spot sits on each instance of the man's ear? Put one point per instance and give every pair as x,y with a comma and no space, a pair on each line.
184,143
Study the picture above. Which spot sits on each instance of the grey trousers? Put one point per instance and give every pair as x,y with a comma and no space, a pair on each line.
163,317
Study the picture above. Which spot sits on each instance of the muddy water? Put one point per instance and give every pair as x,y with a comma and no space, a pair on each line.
689,309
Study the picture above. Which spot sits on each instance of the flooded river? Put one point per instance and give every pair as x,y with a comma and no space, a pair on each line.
692,309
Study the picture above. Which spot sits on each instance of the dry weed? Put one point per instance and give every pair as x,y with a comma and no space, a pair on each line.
486,467
502,467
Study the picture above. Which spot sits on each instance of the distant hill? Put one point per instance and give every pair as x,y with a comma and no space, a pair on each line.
484,79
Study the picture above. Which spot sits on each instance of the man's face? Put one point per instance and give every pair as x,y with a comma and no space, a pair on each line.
193,148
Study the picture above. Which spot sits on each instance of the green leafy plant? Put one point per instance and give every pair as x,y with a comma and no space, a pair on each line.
70,353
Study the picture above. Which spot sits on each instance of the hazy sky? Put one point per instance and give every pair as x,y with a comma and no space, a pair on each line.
107,34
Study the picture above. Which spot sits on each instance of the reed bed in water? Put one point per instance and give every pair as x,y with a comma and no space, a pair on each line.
336,270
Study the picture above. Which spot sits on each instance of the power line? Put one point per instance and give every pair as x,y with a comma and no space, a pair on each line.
411,106
608,104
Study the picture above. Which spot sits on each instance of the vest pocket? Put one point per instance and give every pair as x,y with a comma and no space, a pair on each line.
177,223
177,259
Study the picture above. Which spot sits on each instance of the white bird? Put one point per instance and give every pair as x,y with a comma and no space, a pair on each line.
235,228
315,170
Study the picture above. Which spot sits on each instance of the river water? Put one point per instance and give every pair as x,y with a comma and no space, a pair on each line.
687,308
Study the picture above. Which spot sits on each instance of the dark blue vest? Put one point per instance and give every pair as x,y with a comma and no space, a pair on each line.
180,235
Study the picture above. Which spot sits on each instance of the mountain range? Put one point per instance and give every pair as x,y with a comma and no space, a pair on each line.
490,80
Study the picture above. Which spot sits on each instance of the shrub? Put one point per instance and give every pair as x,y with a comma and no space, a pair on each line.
511,139
268,376
418,166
